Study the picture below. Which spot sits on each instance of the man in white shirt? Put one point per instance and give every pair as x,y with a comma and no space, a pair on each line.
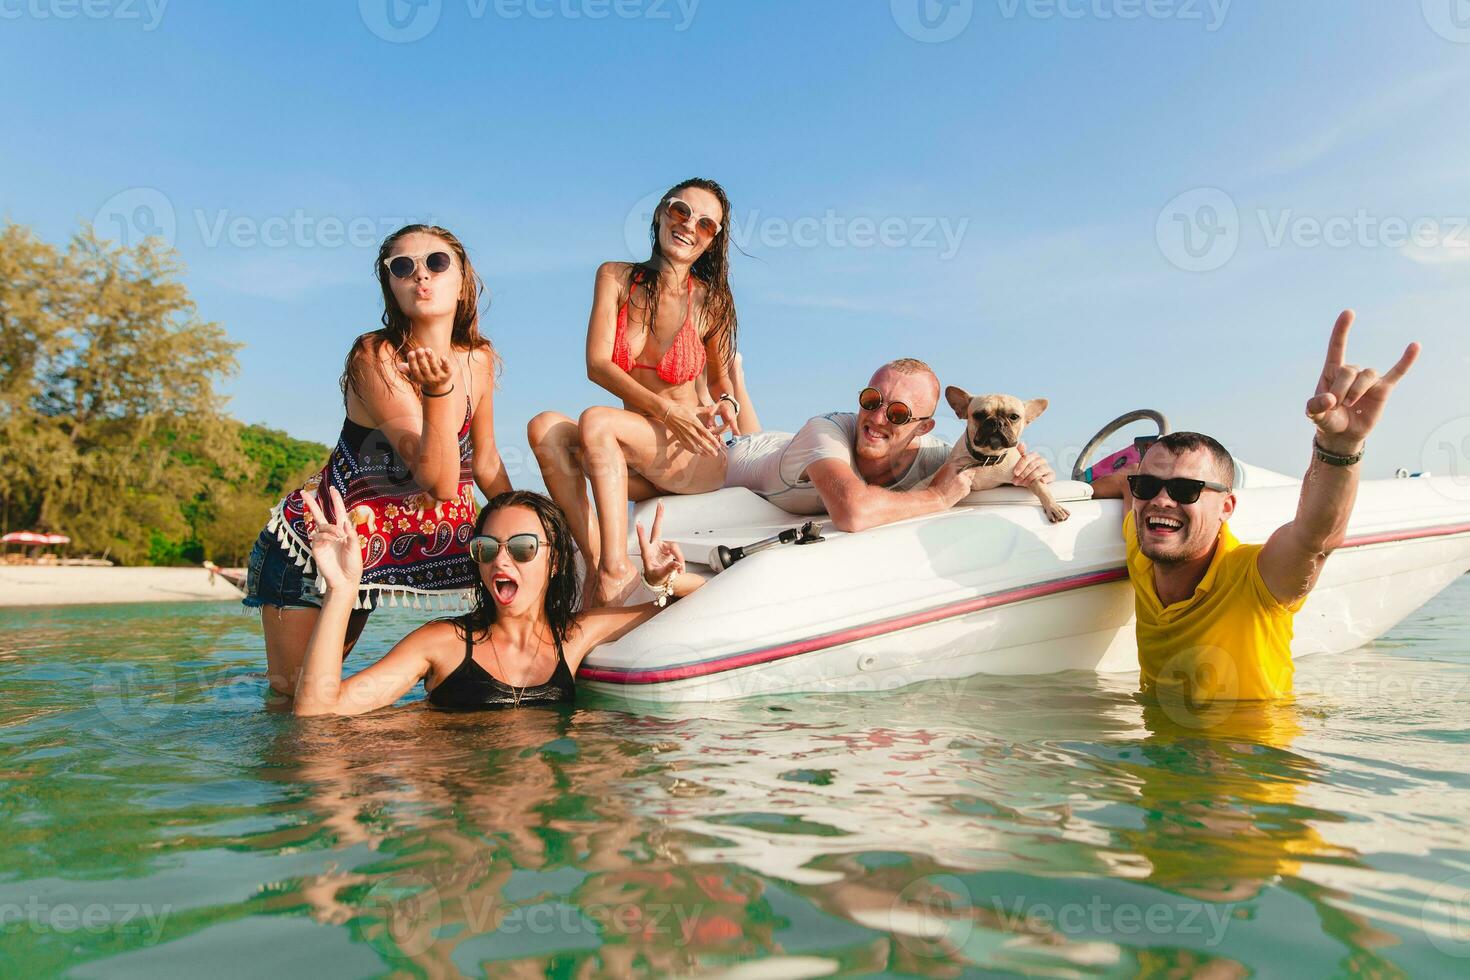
861,468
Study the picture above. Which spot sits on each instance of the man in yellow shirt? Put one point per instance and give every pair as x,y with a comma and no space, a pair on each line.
1214,615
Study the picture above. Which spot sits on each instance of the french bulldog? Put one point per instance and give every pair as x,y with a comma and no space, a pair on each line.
988,453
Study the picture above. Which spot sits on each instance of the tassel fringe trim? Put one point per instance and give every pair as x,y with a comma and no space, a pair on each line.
369,596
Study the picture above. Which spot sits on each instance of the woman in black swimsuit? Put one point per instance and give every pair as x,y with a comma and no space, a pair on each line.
520,645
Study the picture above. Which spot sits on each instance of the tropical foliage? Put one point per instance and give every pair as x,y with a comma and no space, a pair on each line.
111,427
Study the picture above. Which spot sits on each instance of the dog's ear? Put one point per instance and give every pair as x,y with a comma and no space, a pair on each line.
1034,408
959,400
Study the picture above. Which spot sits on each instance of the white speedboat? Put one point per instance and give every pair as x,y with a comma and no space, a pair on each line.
987,588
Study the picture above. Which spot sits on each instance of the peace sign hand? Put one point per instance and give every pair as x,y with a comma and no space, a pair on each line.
335,547
661,559
1350,399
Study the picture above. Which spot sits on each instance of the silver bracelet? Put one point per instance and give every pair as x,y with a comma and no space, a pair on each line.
728,398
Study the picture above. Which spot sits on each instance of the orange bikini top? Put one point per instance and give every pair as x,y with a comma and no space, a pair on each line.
681,363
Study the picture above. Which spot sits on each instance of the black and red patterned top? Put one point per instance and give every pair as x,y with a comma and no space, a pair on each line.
414,548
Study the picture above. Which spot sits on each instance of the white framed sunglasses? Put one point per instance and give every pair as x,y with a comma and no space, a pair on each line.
403,266
705,227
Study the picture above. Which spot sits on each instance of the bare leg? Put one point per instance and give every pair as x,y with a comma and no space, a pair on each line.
750,423
554,440
613,442
287,631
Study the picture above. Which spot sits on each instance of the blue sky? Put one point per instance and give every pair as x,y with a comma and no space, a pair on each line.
1010,203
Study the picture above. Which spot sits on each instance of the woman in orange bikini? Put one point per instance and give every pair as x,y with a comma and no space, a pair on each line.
657,329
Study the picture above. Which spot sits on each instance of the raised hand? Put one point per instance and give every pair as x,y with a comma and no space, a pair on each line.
1350,400
431,371
335,546
661,559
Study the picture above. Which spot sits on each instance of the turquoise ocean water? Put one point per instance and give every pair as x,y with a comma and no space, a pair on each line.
159,820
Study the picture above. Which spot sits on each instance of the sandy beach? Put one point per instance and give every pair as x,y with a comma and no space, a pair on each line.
62,585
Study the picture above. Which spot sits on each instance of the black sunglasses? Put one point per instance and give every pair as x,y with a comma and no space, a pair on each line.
871,399
1182,490
522,548
402,266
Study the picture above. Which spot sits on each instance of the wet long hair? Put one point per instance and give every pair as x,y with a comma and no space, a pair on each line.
562,591
712,268
397,330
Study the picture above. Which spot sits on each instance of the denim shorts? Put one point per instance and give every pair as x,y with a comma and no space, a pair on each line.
274,578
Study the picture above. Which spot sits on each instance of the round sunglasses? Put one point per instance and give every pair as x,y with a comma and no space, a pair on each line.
522,547
706,227
1182,490
403,266
871,399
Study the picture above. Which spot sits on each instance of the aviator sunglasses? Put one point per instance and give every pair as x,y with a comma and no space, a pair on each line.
706,227
1182,490
522,547
402,266
871,399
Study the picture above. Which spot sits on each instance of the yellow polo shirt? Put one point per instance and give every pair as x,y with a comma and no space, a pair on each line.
1230,641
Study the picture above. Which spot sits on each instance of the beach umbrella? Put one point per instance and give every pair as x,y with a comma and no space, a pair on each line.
56,539
26,537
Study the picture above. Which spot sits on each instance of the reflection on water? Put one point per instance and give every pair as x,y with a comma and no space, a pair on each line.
161,819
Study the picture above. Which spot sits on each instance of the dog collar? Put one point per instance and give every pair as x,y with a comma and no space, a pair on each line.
982,459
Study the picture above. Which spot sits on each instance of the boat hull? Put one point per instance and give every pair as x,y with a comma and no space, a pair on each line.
988,588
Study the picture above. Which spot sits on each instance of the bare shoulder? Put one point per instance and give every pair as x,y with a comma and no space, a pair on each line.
614,272
483,362
437,640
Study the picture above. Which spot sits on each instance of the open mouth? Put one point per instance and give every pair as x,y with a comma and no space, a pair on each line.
504,588
873,435
1163,525
683,239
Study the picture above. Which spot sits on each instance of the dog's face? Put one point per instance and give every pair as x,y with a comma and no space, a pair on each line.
994,422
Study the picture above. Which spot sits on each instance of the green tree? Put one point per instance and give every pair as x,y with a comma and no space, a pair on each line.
111,428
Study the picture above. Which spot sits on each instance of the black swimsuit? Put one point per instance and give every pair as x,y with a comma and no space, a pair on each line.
473,688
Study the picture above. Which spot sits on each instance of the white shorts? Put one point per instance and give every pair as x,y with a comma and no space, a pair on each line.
754,462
